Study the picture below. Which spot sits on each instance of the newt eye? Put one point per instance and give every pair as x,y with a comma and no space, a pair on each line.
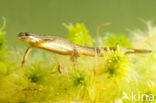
27,34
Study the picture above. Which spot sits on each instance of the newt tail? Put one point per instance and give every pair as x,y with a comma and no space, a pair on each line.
93,51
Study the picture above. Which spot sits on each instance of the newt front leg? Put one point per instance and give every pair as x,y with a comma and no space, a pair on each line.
26,55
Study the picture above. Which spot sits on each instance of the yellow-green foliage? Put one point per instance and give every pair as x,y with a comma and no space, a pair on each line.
79,34
3,67
117,40
2,39
93,80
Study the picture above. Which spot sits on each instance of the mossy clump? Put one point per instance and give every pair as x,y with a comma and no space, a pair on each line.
2,40
117,40
92,80
79,34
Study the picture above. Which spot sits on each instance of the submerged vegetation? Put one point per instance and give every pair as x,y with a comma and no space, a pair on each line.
79,34
114,78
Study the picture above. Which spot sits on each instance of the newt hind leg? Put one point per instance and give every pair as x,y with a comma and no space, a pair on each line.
74,56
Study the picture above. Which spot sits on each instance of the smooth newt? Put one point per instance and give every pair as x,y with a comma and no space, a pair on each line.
64,47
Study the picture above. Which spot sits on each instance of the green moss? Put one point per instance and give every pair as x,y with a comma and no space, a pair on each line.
116,64
2,40
80,79
117,40
79,34
93,80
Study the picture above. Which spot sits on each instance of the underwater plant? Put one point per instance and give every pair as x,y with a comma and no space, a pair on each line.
79,34
117,40
113,78
2,39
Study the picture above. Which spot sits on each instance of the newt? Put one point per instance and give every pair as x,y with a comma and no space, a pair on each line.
62,46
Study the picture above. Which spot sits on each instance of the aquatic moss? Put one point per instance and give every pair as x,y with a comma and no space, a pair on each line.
79,34
117,40
93,80
2,40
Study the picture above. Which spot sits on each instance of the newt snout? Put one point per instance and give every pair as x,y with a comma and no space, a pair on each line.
28,38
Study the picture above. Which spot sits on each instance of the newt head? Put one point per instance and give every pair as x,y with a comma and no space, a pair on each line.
28,37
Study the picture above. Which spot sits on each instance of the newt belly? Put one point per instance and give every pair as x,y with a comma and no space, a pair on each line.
56,48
